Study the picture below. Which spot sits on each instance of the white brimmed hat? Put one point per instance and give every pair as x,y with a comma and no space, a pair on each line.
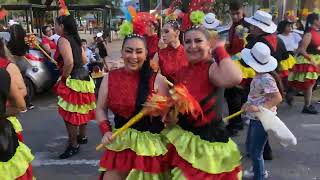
210,21
259,58
262,20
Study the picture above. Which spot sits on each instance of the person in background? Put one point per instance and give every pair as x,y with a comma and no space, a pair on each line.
89,54
266,90
48,45
18,49
102,46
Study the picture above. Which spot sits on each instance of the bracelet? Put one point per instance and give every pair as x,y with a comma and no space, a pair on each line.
104,127
220,53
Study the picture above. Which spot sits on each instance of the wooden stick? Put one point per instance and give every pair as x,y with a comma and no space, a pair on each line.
226,119
132,121
46,54
169,83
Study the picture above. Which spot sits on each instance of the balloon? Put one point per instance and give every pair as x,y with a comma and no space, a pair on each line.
132,11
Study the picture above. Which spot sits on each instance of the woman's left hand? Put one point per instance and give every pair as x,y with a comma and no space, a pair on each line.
250,108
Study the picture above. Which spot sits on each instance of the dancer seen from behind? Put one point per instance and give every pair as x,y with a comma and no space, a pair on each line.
205,79
305,72
266,90
15,157
138,152
75,90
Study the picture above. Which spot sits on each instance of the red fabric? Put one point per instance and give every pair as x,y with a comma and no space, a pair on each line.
235,43
315,40
302,86
123,90
172,60
19,136
27,175
220,53
202,5
304,68
127,160
245,82
52,45
196,79
77,119
186,23
283,74
273,40
152,44
104,127
191,173
73,97
4,62
33,57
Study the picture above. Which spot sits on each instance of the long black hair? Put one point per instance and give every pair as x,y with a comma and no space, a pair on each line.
70,27
310,20
2,49
145,75
282,26
17,45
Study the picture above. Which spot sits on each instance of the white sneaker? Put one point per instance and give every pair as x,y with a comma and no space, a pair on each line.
249,173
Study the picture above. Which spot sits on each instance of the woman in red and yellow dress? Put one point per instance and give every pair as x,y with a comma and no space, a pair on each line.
75,90
15,157
172,58
201,148
138,152
16,77
305,71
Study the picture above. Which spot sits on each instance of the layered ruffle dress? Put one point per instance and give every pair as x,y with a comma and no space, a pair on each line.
76,98
304,74
13,119
140,149
201,149
15,157
172,60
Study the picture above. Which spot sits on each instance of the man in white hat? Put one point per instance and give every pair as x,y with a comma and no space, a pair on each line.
210,22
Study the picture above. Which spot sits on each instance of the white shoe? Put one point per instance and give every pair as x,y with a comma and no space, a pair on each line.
249,173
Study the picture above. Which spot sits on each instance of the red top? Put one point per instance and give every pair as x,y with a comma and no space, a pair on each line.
152,44
123,90
315,40
4,62
272,39
172,60
52,45
196,79
236,44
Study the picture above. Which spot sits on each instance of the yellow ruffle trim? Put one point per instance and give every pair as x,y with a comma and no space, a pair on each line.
142,143
17,165
210,157
301,77
247,72
287,64
177,174
136,175
15,123
303,60
80,85
82,109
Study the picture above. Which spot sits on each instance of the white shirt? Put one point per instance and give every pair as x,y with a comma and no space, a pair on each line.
90,57
291,41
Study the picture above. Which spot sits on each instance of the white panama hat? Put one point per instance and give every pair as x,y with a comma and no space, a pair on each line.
259,58
210,22
262,20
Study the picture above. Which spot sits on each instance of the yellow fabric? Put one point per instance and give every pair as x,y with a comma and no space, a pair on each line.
142,143
287,64
140,175
210,157
247,72
80,85
303,60
82,109
301,77
17,165
15,123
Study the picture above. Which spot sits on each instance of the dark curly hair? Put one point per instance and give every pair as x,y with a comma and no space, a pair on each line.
16,45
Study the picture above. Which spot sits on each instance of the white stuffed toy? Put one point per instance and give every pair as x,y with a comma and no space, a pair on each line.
275,127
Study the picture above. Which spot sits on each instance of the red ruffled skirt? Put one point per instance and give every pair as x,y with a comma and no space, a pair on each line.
76,104
27,175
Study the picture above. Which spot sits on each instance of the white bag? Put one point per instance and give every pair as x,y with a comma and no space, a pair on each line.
275,127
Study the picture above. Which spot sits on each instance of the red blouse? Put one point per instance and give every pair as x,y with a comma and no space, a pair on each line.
172,60
315,42
52,45
196,79
4,62
123,90
152,44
